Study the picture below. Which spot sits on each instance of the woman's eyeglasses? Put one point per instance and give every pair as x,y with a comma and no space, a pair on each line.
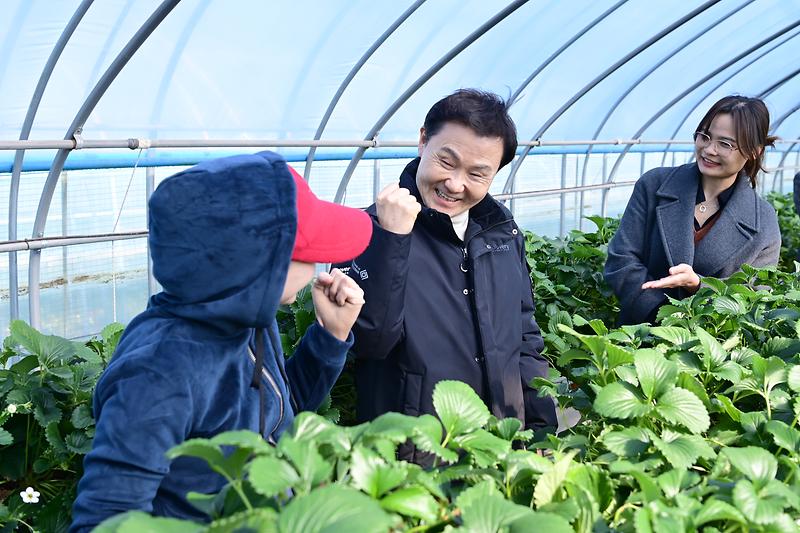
703,139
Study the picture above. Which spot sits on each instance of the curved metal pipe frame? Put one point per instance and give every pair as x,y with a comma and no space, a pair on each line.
373,132
577,35
775,86
352,74
27,125
687,91
779,121
74,133
723,82
592,84
643,77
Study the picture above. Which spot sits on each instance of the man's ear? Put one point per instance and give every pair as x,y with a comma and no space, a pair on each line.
423,140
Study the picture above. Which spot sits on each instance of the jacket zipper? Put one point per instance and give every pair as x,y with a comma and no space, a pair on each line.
275,388
470,273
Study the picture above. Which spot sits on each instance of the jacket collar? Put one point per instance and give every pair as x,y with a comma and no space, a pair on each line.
486,213
737,223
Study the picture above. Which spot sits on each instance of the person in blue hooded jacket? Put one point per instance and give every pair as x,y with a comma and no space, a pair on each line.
230,239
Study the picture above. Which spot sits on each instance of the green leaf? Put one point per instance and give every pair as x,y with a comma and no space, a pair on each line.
393,426
245,439
507,428
200,448
598,327
306,459
596,345
459,408
412,501
678,336
794,376
621,400
617,356
693,385
672,482
53,436
491,514
627,443
656,373
757,464
757,509
682,451
82,417
259,520
727,306
372,475
785,436
485,448
427,437
5,437
716,510
728,407
717,285
752,421
477,493
334,508
548,484
769,372
679,406
713,352
729,371
139,521
78,442
49,349
45,408
573,354
271,476
541,521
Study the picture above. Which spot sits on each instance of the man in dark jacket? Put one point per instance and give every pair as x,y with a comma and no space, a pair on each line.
447,285
230,239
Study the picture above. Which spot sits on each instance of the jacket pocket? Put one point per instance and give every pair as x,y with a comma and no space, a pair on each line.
412,393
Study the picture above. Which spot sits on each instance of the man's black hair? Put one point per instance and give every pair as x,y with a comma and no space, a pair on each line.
483,112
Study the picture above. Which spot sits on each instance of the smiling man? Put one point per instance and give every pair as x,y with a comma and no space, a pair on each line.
446,282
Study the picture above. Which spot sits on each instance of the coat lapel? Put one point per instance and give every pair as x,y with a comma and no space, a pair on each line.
735,228
675,200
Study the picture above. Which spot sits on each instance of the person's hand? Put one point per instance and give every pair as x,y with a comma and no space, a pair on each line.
397,209
679,276
337,302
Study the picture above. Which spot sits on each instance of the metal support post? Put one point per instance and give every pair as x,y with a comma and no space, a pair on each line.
376,179
563,195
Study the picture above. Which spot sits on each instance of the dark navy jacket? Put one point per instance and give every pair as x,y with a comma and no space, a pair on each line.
221,238
439,308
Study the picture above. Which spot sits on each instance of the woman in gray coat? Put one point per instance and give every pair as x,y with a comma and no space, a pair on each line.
699,219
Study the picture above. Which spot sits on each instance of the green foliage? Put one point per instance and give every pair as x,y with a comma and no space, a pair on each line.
688,425
789,223
46,423
567,277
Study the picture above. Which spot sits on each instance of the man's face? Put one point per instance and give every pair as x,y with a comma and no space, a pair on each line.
456,168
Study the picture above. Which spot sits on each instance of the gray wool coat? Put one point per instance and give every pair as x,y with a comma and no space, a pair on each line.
657,232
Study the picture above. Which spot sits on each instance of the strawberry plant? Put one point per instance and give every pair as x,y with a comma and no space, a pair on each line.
46,425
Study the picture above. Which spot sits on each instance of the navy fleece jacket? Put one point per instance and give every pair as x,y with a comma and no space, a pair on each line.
221,238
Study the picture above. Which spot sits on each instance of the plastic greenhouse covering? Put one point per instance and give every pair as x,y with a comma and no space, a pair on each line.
101,100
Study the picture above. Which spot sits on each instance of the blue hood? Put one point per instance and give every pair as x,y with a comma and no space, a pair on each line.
221,239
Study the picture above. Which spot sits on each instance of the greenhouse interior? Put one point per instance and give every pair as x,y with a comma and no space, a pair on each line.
666,392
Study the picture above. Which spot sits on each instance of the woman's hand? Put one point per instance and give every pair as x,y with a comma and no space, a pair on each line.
679,276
